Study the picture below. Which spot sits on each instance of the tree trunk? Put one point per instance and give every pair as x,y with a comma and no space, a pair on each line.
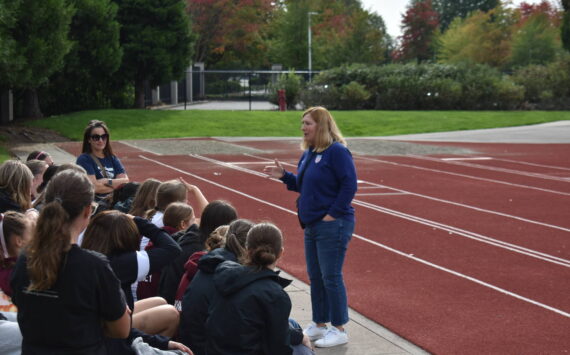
139,93
32,104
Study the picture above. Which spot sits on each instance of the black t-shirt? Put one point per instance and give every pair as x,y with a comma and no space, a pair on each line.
66,319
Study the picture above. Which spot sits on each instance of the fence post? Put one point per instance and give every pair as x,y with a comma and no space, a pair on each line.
6,106
282,100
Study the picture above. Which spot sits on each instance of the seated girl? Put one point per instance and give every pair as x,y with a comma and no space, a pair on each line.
216,213
178,216
117,235
196,297
249,312
68,298
15,233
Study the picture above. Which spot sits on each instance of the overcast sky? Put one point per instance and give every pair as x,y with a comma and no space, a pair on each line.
392,10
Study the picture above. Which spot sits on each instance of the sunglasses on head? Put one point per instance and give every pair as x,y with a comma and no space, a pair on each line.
97,137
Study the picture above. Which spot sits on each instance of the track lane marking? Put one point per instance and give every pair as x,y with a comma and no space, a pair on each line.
464,176
490,168
412,257
458,231
479,209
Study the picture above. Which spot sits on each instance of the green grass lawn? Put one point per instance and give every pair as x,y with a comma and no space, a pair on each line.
143,124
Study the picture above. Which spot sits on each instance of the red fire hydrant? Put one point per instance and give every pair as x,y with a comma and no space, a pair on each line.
282,100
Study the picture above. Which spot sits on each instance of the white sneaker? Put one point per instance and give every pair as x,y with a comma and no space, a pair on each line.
333,337
314,332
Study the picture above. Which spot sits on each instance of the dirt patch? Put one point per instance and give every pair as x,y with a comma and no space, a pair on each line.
15,135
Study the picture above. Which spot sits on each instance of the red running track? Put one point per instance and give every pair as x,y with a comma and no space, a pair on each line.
466,256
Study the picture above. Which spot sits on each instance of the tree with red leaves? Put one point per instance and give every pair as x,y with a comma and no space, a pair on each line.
231,33
419,25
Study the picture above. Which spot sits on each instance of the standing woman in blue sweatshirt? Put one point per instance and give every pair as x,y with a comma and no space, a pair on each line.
326,182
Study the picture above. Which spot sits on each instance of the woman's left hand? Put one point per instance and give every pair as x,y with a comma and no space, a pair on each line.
174,345
328,218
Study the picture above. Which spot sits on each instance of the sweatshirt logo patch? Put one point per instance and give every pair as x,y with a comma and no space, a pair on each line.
318,159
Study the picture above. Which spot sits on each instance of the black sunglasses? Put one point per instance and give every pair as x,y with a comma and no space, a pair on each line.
97,137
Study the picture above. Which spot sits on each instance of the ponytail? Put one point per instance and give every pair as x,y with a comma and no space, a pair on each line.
236,236
264,244
67,195
46,249
217,238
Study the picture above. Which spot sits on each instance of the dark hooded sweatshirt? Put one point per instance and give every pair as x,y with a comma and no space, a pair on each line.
249,312
197,298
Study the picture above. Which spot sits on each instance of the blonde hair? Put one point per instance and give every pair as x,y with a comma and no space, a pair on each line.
217,238
168,192
177,212
145,198
16,179
327,131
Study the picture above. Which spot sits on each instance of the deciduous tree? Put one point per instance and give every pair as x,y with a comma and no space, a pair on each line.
536,37
483,37
419,26
450,9
231,33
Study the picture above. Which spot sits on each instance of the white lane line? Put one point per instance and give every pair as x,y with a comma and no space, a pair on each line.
491,168
468,234
380,193
453,230
464,176
140,148
532,164
478,209
466,158
425,262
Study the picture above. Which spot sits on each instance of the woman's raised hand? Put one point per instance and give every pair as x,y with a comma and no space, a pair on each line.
274,171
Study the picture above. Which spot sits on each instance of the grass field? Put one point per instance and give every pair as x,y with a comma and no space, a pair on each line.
143,124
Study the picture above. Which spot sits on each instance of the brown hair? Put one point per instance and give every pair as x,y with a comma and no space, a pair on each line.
327,130
168,192
236,236
216,213
177,212
37,167
13,223
66,196
264,244
111,232
86,148
145,198
217,238
50,172
16,180
37,155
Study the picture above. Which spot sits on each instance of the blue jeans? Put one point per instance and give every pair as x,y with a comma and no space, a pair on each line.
325,249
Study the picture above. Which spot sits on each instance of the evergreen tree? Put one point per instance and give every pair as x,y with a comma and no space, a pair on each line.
37,37
84,81
156,40
565,28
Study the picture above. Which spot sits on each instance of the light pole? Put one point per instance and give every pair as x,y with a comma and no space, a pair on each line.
309,40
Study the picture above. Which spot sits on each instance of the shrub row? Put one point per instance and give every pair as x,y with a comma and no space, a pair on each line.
440,87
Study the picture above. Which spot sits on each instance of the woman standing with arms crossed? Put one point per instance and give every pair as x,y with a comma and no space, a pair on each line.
326,182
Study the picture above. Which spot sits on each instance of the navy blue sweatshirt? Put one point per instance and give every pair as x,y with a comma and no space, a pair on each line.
328,184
